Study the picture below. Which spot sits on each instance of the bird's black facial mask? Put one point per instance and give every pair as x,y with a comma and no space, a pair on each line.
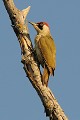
40,25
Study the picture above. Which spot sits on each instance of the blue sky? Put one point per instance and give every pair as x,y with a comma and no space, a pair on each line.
18,99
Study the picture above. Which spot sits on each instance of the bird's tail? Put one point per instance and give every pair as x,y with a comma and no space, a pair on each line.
45,76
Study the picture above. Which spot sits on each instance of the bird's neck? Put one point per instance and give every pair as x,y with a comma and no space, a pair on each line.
38,36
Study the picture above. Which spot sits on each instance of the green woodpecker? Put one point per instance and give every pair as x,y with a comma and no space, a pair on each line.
45,50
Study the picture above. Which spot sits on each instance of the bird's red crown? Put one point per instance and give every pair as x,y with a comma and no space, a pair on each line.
44,23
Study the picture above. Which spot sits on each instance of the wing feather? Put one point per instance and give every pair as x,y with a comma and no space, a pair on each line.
48,50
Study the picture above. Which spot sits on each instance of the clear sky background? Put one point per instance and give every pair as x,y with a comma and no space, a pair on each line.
18,99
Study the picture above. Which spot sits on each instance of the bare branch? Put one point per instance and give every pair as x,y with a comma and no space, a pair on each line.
52,108
25,12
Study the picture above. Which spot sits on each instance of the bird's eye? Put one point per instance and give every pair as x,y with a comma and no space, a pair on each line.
40,25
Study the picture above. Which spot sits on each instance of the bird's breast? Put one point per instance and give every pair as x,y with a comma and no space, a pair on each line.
39,54
38,51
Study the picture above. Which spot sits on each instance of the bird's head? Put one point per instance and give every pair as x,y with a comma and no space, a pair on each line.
41,28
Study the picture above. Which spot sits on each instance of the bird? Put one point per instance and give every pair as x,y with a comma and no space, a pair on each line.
45,50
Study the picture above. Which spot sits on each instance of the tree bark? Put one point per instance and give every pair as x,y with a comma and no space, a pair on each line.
52,108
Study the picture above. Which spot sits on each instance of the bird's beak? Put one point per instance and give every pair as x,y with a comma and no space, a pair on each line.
32,23
35,25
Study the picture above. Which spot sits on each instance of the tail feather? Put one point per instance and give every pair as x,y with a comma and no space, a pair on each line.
53,72
45,76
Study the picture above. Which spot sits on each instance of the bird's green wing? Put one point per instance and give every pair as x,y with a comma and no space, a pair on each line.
48,50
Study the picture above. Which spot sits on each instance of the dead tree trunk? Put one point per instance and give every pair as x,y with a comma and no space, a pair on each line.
52,108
